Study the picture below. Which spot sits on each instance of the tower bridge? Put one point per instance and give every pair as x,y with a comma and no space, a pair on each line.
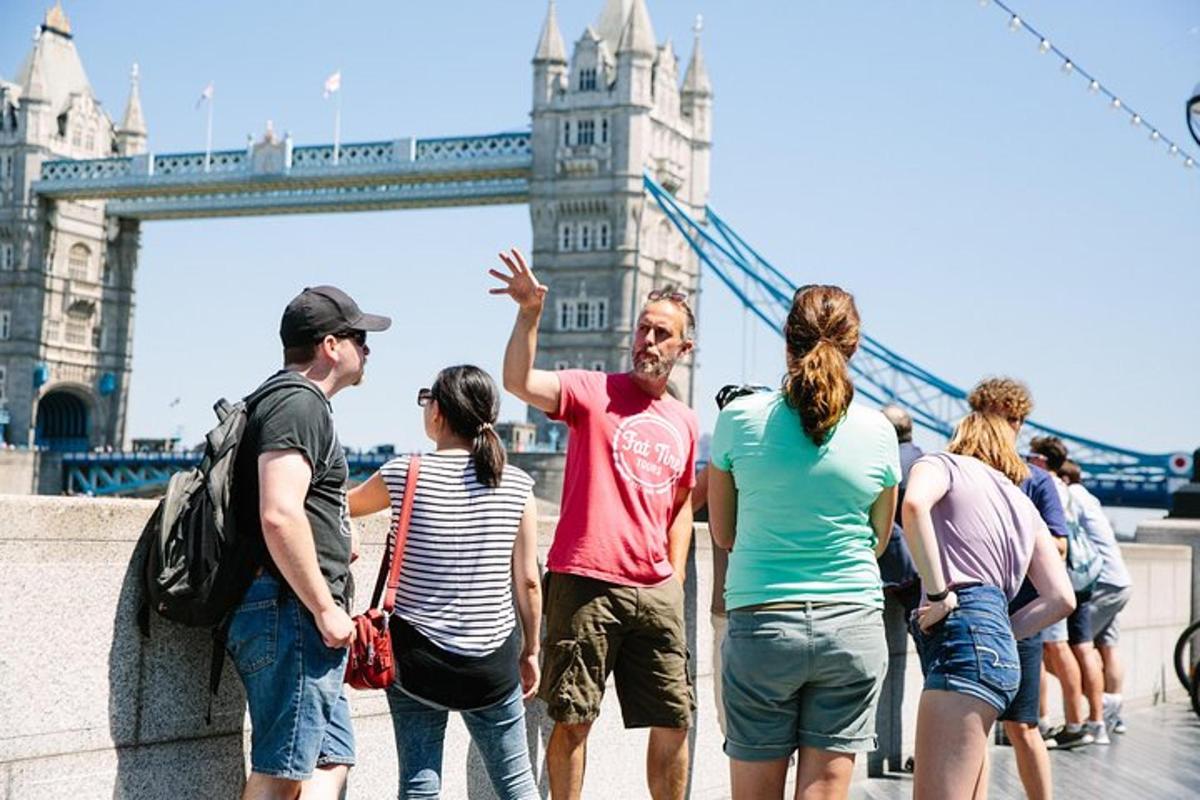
614,169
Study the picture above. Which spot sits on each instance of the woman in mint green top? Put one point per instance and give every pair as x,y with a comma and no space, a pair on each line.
802,488
803,512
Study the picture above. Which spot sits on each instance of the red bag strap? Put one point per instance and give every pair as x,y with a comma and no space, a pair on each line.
393,558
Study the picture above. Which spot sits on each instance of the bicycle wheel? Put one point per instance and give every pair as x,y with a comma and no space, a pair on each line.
1183,670
1196,695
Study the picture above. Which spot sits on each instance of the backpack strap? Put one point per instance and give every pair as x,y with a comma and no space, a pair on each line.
393,559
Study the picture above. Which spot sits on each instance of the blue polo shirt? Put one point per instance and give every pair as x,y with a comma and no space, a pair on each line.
1039,487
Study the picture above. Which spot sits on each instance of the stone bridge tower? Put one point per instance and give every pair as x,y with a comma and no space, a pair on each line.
66,269
614,110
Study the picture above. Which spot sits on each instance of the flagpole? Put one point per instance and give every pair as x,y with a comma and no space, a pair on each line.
337,125
208,137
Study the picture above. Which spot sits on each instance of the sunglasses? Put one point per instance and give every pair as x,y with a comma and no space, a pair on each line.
674,295
424,397
358,337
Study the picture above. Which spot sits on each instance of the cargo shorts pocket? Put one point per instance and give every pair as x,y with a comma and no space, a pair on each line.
999,664
253,633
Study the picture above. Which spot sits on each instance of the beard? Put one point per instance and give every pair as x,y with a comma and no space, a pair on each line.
651,365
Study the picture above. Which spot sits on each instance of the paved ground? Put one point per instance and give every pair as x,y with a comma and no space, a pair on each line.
1158,758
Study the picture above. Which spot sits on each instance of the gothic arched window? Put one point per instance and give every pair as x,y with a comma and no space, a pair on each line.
79,262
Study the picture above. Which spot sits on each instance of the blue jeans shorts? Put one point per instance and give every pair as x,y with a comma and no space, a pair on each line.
299,716
972,651
1024,706
1075,629
802,677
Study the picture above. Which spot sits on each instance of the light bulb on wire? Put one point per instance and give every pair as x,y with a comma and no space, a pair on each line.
1068,67
1044,46
1154,136
1094,86
1116,103
1135,120
1014,24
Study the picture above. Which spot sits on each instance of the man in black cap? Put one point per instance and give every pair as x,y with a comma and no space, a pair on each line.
288,637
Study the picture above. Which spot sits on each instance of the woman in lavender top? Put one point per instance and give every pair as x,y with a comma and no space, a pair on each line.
974,535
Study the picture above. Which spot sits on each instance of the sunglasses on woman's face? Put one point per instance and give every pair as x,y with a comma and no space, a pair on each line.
424,397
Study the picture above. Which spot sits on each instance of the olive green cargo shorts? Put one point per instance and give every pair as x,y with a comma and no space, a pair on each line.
594,628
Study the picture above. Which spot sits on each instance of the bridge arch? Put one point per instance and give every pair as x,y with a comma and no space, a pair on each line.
65,419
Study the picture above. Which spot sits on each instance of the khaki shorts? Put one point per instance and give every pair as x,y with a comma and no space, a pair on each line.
594,628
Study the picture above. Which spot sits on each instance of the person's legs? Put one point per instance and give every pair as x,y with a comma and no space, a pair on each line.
823,774
499,733
654,686
1092,675
1062,665
265,787
1114,670
1021,723
326,783
667,763
585,623
951,741
420,737
1033,759
981,783
301,732
566,758
758,780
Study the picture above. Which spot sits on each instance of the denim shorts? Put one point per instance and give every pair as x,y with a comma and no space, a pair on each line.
1023,707
802,677
299,716
1075,629
972,651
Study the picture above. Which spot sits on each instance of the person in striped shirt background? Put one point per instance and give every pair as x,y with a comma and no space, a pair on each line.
473,534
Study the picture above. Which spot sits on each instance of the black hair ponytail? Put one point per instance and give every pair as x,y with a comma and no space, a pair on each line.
469,401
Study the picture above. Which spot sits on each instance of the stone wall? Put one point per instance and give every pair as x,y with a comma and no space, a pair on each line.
88,708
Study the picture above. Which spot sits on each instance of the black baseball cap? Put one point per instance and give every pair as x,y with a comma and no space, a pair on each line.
321,310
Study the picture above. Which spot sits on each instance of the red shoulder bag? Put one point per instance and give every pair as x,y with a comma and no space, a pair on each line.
371,664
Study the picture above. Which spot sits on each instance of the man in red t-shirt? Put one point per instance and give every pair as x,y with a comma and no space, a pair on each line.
614,597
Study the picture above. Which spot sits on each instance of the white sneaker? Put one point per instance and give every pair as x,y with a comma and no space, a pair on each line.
1099,732
1112,712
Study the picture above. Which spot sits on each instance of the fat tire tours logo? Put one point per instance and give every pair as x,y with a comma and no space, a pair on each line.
648,452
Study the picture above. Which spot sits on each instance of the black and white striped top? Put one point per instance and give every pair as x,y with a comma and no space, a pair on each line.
456,578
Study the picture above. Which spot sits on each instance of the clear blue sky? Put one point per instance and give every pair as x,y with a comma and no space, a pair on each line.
990,215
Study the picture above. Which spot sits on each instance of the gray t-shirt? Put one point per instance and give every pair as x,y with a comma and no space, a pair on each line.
294,417
985,525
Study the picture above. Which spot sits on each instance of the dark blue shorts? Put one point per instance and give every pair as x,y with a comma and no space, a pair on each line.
972,651
1024,707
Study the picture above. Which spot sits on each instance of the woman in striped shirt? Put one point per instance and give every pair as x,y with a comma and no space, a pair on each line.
473,531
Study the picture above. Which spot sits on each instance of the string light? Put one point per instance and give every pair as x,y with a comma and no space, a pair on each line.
1069,68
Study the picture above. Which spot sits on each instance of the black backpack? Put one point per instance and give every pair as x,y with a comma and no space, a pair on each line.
196,566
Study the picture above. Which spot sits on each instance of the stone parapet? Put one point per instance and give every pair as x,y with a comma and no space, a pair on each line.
88,708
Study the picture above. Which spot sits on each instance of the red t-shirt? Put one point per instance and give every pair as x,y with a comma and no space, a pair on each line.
627,455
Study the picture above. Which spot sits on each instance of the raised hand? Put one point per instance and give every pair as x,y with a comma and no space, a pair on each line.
520,284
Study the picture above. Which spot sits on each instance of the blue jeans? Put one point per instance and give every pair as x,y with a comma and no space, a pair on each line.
299,717
498,731
972,650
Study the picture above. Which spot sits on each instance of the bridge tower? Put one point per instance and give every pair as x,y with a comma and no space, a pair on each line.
612,112
66,269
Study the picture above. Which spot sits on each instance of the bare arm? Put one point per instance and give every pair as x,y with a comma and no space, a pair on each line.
722,507
1056,598
283,480
883,512
538,387
679,535
369,497
927,484
527,587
